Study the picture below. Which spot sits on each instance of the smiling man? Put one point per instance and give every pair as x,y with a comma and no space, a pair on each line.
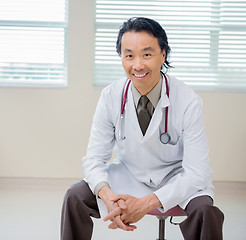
142,59
156,123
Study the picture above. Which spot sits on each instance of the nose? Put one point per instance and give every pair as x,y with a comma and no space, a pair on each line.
138,64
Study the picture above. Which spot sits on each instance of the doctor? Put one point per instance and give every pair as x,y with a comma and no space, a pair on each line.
155,122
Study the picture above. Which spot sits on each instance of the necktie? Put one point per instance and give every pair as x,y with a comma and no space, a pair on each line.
143,114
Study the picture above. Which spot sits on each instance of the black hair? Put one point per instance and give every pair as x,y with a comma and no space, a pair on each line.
139,24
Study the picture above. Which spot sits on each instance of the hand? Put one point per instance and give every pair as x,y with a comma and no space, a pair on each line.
116,208
106,194
135,209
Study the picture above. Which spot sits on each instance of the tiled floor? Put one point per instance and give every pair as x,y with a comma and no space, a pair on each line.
30,210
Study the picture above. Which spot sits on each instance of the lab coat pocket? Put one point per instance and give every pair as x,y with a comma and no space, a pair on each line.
173,151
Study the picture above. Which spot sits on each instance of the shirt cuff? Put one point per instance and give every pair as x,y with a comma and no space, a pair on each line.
99,186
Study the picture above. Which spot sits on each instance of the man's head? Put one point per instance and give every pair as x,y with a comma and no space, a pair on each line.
142,46
139,24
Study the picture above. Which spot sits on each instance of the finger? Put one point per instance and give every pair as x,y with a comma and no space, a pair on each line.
115,212
113,225
127,228
130,227
122,204
119,196
123,226
119,222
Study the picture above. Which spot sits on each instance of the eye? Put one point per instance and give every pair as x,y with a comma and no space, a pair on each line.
128,56
147,55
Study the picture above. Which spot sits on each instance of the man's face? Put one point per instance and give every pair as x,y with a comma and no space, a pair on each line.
142,58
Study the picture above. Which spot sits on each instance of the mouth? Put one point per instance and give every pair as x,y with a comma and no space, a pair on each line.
140,75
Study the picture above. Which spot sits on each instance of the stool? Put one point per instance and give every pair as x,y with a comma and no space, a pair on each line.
173,212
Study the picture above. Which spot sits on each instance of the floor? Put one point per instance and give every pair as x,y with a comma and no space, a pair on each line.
30,210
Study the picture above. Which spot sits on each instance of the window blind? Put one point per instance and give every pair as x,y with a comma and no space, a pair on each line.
207,39
33,43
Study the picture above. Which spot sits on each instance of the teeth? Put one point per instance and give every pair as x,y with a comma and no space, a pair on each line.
139,75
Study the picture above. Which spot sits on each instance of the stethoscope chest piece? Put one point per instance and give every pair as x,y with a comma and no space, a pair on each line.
165,138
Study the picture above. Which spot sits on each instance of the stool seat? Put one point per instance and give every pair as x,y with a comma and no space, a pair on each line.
175,211
162,216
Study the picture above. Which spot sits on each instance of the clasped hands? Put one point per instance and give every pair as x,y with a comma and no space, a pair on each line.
126,210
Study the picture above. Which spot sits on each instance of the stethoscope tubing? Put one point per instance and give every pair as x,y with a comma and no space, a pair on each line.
124,98
164,137
166,115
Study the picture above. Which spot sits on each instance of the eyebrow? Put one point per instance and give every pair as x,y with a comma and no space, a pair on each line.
144,50
148,49
127,50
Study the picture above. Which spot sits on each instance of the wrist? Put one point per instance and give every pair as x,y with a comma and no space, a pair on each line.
106,194
152,201
99,186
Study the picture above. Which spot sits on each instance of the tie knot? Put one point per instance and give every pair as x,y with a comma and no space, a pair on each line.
143,101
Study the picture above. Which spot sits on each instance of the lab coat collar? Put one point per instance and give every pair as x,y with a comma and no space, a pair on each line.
164,100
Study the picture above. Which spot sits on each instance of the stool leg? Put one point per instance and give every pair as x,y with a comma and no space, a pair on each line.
161,229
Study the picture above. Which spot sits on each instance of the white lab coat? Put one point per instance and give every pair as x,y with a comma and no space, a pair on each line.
176,172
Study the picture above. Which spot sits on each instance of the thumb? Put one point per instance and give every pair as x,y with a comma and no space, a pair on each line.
119,197
122,204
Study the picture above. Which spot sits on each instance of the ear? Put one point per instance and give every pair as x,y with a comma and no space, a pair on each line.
164,55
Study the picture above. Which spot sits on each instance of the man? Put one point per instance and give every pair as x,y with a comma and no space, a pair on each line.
162,156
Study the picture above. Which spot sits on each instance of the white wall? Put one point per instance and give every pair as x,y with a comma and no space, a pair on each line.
44,132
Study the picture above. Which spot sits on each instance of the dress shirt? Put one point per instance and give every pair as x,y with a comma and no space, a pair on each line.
153,96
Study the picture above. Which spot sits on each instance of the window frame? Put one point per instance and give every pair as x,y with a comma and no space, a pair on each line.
217,31
40,83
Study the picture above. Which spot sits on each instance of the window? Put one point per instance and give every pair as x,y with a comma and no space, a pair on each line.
207,38
33,43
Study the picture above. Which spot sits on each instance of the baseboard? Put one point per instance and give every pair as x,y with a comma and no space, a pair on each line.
37,183
64,183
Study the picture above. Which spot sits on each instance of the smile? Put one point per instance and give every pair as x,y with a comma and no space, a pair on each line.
140,75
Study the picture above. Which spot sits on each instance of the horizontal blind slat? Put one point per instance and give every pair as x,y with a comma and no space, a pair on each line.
207,39
33,42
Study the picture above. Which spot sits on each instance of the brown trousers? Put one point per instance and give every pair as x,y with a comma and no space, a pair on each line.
204,221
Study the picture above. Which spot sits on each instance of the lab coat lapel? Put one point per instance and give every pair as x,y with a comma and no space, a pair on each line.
132,126
159,113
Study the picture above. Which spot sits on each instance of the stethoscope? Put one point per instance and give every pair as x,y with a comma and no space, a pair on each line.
165,137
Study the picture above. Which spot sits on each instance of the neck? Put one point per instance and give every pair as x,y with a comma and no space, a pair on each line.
145,91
